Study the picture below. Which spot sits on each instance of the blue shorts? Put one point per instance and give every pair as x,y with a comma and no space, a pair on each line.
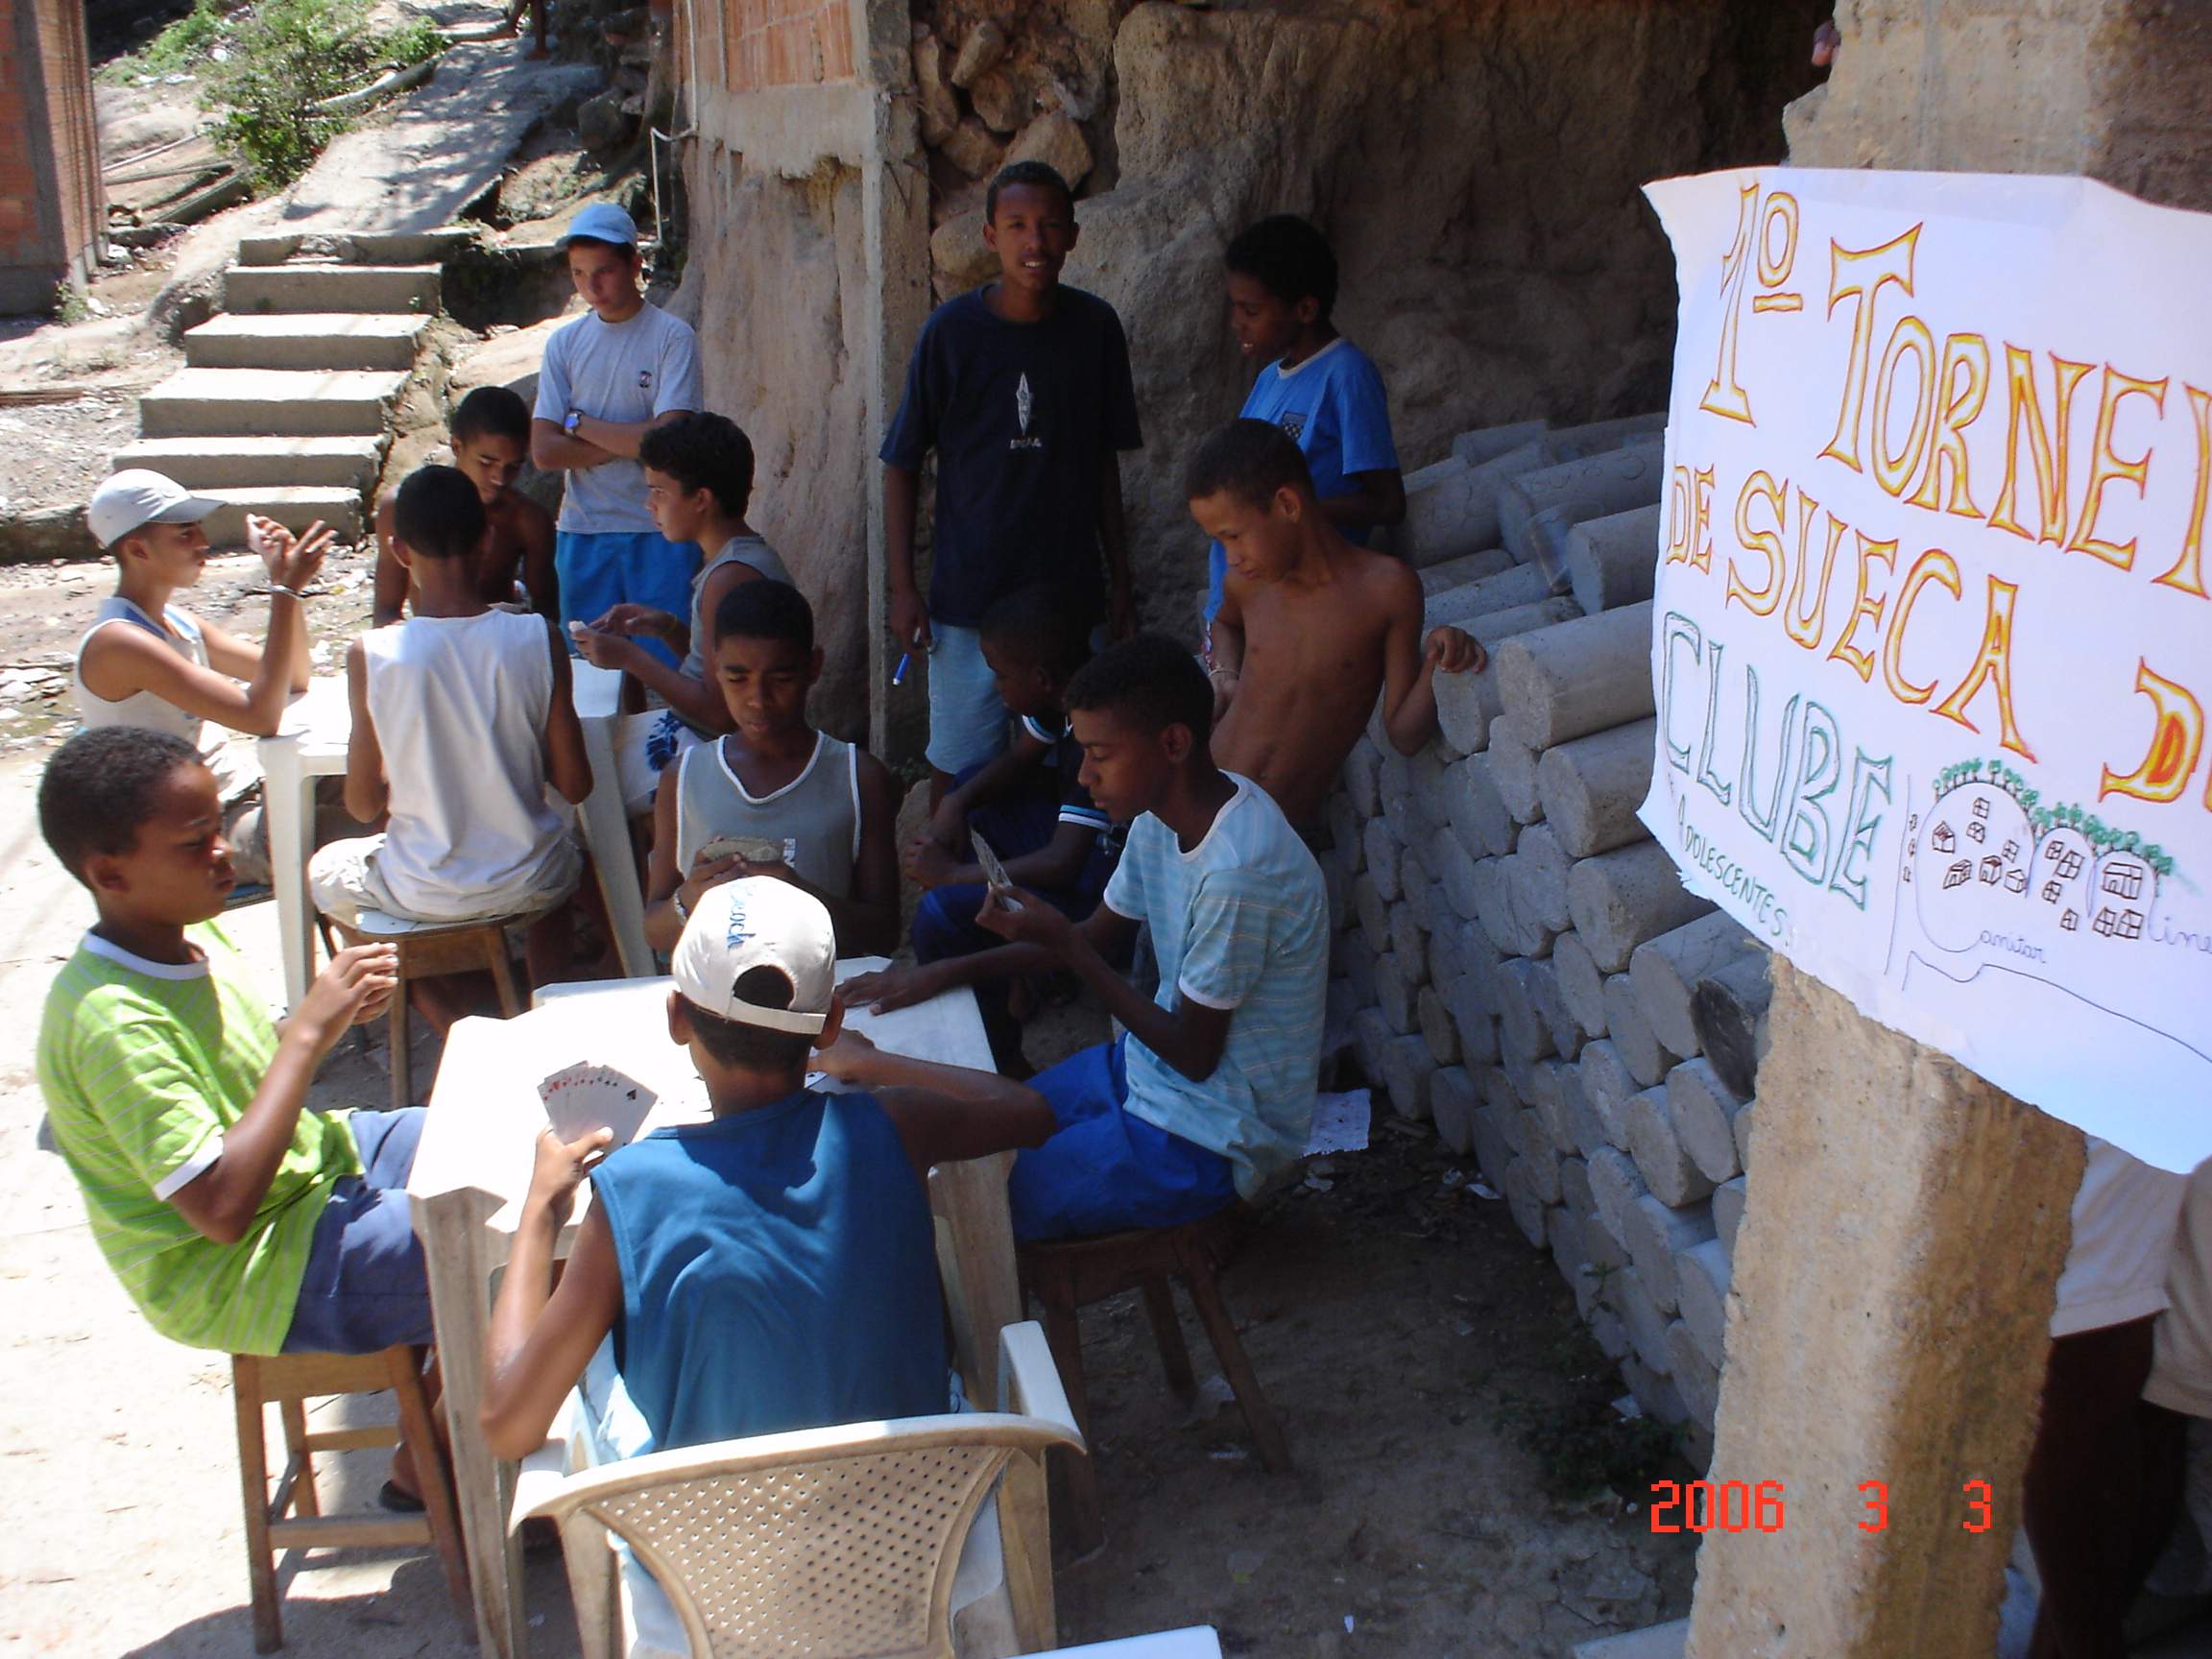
1105,1171
367,1287
601,570
967,720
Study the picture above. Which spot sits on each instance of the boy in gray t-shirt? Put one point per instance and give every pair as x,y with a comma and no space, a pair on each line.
607,379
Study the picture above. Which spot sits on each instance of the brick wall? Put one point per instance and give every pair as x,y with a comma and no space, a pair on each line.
51,205
767,43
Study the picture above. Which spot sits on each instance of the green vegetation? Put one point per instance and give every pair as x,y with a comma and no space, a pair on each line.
268,63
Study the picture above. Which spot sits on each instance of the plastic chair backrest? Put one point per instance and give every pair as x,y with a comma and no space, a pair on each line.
833,1543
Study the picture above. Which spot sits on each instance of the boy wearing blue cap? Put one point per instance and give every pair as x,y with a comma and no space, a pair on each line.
608,378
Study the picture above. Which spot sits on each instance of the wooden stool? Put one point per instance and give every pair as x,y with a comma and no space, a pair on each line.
1069,1274
429,949
294,1518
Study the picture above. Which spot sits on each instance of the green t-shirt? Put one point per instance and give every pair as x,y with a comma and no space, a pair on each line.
145,1064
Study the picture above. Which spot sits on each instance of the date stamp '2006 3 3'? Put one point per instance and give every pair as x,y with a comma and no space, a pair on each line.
1745,1506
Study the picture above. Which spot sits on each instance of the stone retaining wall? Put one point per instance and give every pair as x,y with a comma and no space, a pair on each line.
1517,960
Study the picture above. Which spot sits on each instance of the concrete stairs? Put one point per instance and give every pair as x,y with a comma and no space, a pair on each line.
285,400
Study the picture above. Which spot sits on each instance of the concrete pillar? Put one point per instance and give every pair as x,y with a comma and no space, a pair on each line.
1728,1200
1657,1234
1594,488
1704,1110
1579,982
1884,1348
1730,1008
1452,1102
1614,562
1572,443
1590,788
1406,1069
1394,992
1624,896
1467,568
1696,1378
1384,853
1467,702
1614,1186
1544,870
1671,1175
1568,681
1665,971
1513,766
1631,1033
1506,590
1452,508
1436,1025
1491,442
1475,810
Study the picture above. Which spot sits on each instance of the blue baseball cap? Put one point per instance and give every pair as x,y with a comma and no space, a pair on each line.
601,221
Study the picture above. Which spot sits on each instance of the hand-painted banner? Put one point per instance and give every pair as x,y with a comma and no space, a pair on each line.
1932,638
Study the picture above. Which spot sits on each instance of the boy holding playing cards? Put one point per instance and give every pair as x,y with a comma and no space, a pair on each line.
772,1268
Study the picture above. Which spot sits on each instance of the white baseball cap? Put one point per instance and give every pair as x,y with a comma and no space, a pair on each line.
759,921
601,221
136,496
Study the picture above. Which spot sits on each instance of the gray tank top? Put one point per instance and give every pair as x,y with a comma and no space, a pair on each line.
747,550
813,821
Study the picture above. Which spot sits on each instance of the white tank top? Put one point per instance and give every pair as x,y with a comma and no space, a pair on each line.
815,818
233,764
461,705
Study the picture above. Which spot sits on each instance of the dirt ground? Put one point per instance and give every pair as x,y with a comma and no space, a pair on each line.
1449,1420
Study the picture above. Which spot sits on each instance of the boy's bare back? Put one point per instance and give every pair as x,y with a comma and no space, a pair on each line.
1314,664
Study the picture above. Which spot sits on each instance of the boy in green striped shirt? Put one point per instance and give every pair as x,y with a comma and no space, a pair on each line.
236,1218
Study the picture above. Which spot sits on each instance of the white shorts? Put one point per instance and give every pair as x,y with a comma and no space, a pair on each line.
343,881
2125,1218
2181,1373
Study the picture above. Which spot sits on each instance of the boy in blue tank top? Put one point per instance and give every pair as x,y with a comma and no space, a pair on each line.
771,1268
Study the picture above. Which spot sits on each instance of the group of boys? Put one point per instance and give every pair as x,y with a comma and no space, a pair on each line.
240,1220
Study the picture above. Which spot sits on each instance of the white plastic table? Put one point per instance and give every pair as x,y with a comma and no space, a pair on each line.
1197,1642
311,744
472,1170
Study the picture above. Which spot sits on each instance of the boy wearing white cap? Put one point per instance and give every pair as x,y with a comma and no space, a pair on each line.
146,663
772,1268
607,379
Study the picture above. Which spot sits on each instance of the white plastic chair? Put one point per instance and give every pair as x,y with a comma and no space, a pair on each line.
837,1543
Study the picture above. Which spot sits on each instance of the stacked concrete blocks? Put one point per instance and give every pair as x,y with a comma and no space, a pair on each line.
1519,958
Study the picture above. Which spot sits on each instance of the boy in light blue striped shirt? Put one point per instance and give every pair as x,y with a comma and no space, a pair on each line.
1211,1091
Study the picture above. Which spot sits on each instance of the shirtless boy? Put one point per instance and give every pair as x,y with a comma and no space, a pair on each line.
490,441
1310,625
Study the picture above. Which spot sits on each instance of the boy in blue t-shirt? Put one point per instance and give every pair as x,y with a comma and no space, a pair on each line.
772,1266
1318,386
1022,387
1211,1091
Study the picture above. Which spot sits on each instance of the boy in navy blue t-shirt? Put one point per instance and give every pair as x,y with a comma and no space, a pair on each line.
1022,387
1317,385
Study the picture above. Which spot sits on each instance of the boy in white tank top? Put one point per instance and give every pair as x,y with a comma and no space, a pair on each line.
775,796
698,485
461,717
145,663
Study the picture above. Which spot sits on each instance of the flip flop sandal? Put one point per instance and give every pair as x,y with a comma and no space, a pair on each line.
398,1499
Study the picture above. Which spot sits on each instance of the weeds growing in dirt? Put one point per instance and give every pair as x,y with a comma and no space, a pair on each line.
267,65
